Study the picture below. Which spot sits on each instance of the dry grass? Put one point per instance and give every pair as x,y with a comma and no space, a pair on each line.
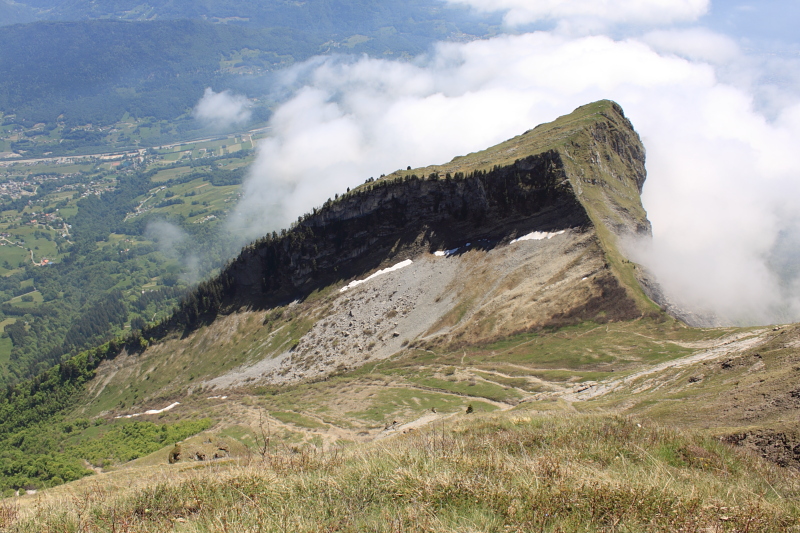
495,473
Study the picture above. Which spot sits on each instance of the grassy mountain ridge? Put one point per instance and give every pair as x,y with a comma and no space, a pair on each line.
379,223
403,215
603,159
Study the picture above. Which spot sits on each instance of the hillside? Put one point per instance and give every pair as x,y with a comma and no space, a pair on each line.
70,74
492,473
492,284
526,238
81,68
317,15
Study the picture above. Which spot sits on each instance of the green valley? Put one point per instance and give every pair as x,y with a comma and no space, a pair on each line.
74,233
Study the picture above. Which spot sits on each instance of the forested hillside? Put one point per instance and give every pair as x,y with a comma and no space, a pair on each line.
79,261
78,70
330,16
95,72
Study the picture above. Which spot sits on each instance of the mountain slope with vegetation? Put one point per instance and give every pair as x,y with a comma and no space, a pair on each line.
91,64
491,286
94,72
381,223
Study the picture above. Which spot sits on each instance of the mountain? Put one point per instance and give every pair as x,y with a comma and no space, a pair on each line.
348,350
317,15
93,63
15,13
528,230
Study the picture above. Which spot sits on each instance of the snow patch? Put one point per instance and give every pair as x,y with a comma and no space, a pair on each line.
448,253
217,397
357,282
538,236
151,411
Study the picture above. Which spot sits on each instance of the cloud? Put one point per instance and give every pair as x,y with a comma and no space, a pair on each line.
697,44
594,13
356,118
174,243
223,109
168,237
723,169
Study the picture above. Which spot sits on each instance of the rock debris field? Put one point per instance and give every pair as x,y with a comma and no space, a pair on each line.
376,316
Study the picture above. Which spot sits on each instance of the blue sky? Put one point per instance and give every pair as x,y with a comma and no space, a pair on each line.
766,24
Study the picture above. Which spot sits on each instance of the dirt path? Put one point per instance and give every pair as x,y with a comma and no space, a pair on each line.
736,343
424,420
11,243
34,260
503,406
531,379
725,339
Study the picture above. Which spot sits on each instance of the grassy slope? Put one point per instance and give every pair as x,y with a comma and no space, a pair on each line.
357,405
748,392
514,471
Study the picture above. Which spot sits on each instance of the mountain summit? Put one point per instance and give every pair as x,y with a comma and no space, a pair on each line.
515,238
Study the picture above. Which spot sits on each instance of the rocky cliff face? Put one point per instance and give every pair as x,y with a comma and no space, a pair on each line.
397,218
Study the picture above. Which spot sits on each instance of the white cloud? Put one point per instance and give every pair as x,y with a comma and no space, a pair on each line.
175,243
694,43
723,178
223,109
594,13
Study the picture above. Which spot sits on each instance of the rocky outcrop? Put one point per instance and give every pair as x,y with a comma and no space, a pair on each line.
776,446
396,218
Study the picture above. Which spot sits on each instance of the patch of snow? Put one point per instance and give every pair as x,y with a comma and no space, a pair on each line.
151,411
448,253
357,282
217,397
538,236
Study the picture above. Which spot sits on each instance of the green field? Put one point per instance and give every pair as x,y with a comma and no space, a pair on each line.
27,301
171,173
